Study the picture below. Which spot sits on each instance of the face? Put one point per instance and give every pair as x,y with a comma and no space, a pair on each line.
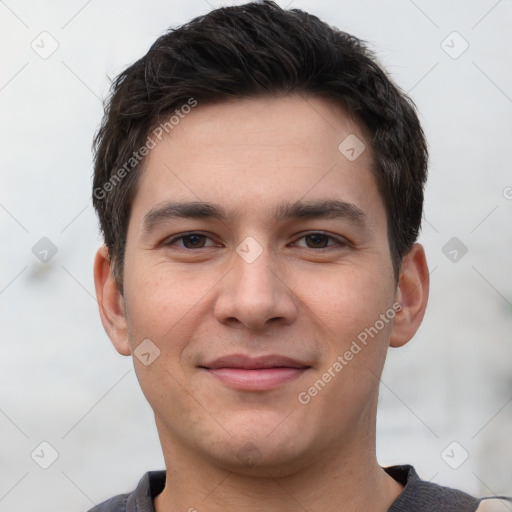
268,303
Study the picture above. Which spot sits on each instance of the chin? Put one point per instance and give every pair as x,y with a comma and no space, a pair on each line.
264,450
271,462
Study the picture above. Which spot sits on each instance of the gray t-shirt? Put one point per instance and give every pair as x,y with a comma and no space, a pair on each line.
417,495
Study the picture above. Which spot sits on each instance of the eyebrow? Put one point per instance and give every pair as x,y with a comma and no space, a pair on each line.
319,209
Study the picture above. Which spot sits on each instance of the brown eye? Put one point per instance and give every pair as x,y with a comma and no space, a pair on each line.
321,241
317,240
189,241
193,241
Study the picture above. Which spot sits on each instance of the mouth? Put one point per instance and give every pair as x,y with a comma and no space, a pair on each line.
255,374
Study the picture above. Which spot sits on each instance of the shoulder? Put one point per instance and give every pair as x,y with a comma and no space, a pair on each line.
139,500
420,495
115,504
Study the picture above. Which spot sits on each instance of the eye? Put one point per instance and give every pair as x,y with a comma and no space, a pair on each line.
189,240
320,240
314,240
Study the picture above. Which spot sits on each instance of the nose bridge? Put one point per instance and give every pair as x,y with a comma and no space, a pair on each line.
254,274
254,294
255,280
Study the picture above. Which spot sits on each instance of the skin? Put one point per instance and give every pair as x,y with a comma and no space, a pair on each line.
263,450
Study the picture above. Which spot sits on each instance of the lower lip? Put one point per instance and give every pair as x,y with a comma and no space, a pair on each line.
256,380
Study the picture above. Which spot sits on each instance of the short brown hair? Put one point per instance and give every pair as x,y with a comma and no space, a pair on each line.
252,50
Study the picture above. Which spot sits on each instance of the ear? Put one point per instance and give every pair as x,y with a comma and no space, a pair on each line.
412,293
111,303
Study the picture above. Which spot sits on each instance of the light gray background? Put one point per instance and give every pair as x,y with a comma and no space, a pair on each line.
61,380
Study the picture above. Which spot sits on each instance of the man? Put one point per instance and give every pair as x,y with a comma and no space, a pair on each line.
259,183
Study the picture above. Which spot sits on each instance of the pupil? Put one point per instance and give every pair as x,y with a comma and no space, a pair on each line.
194,239
317,239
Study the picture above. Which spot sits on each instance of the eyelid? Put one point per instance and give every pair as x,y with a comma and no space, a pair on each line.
339,241
180,236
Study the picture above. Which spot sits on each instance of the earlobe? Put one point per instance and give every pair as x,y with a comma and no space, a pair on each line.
110,302
412,293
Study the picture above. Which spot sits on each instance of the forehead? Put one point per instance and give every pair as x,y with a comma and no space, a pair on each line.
257,152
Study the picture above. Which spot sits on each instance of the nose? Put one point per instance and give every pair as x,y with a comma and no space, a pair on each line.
255,294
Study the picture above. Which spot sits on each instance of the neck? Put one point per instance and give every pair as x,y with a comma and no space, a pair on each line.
346,479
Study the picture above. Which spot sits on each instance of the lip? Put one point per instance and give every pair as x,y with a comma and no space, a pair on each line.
255,373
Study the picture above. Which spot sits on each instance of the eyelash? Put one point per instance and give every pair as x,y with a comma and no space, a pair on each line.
338,242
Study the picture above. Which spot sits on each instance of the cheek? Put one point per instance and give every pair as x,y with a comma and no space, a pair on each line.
348,300
169,307
355,339
161,297
162,306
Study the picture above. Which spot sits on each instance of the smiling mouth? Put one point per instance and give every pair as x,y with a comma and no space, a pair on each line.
255,374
